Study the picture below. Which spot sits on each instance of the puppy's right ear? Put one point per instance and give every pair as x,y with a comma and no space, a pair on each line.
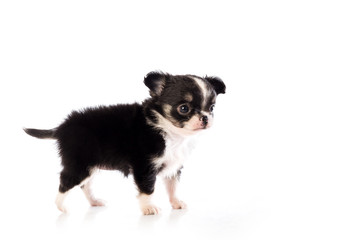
155,81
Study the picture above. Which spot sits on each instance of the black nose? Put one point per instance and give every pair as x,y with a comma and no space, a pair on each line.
204,120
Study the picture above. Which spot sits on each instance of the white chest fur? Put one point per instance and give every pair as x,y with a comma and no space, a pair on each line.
176,152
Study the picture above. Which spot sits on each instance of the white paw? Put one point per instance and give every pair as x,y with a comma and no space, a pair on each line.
178,204
61,208
150,210
97,203
60,202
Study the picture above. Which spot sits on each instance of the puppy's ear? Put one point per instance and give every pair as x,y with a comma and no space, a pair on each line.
155,81
217,84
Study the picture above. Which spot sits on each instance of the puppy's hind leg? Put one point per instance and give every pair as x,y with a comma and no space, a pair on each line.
60,201
68,180
86,187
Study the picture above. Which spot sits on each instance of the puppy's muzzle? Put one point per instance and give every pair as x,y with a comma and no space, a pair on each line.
204,121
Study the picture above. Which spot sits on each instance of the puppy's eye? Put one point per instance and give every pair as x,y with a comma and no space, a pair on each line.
184,109
212,108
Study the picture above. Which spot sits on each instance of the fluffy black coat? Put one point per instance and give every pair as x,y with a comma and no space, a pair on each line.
114,137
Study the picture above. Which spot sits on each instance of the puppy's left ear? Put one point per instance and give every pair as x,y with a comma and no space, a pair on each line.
217,84
155,81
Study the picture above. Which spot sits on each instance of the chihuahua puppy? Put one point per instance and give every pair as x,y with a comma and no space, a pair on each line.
145,140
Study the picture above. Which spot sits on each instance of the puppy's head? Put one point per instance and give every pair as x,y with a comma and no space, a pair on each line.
183,103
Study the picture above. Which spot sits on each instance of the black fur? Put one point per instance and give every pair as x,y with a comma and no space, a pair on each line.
43,134
125,137
217,84
114,137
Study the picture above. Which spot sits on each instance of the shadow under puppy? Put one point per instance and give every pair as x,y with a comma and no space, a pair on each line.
145,140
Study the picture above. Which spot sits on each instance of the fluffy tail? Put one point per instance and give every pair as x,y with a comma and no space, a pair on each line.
39,133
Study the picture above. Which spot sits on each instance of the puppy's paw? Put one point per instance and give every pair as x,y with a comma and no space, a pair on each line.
178,204
60,202
150,209
62,209
97,203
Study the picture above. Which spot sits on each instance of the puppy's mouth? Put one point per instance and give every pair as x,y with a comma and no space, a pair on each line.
199,129
199,124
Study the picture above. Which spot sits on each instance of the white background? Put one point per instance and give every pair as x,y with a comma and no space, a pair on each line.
282,161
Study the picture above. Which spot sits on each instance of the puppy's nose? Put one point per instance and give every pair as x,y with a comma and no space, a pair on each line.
204,120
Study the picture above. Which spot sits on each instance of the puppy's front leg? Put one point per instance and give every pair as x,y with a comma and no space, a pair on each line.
145,182
171,186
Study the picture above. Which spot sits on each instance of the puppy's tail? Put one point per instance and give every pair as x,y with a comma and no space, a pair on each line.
42,134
